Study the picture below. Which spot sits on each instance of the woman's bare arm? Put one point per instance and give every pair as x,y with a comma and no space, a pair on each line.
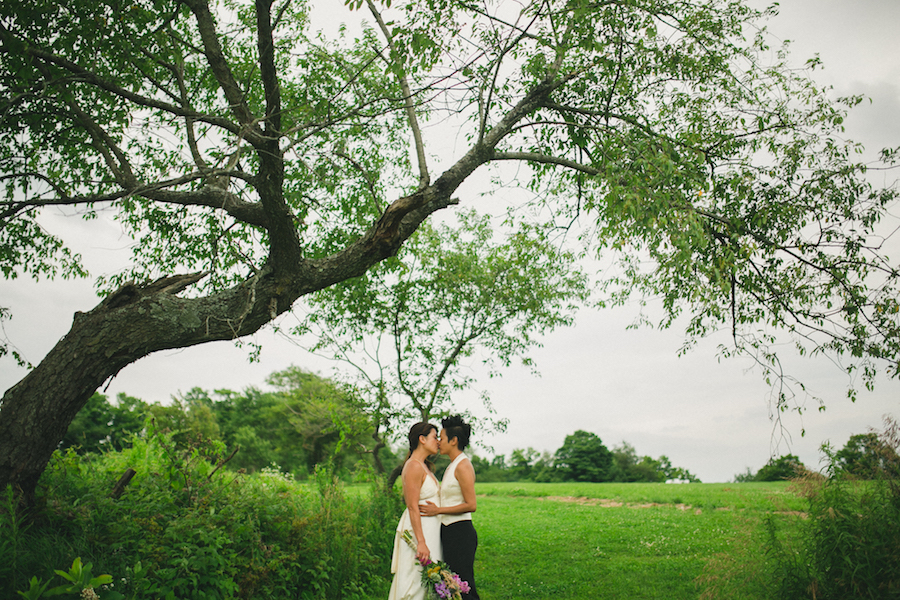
413,476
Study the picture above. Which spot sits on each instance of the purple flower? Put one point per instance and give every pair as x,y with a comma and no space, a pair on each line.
442,590
460,584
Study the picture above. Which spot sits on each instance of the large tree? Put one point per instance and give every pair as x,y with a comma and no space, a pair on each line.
253,163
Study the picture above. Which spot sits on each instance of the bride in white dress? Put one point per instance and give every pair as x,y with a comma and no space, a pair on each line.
419,486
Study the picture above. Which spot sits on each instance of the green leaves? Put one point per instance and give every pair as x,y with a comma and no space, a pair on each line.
81,582
412,325
226,137
35,589
80,577
584,457
711,190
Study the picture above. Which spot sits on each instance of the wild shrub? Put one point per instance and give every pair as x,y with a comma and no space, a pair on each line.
850,544
846,546
187,528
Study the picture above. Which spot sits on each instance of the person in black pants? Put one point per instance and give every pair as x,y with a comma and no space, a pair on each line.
458,536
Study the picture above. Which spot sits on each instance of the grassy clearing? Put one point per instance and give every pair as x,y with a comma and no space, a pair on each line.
734,496
619,541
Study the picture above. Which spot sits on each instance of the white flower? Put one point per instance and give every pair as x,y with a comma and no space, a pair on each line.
89,594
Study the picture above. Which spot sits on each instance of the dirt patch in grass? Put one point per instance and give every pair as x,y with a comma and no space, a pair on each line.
605,502
608,503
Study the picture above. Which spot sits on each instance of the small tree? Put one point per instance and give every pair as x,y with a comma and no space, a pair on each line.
104,425
306,420
583,457
628,466
865,455
410,327
780,469
521,463
328,419
746,476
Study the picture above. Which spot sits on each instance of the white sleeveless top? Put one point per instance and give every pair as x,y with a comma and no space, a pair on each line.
451,492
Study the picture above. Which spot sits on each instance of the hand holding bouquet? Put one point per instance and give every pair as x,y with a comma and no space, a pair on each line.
438,580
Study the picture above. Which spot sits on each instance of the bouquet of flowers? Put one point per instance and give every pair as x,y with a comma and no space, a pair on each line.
438,580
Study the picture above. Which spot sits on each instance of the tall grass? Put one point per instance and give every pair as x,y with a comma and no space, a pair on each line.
846,548
185,529
850,545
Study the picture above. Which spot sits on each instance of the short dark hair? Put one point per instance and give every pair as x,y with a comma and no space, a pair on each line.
457,428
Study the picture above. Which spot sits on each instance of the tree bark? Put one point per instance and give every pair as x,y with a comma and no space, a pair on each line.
138,320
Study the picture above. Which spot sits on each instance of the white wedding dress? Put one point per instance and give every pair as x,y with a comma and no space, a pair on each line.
407,584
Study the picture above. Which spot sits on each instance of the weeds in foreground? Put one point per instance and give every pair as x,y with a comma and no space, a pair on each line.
184,528
846,548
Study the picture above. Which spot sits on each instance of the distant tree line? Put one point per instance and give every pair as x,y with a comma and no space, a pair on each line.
582,457
307,420
864,456
304,421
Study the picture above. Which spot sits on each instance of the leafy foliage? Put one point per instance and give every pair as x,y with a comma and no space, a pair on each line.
227,139
845,545
866,456
850,546
101,426
184,529
659,121
305,421
628,467
583,457
591,459
410,328
81,584
779,469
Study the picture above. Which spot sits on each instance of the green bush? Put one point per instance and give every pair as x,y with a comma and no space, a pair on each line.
850,545
780,469
184,528
844,546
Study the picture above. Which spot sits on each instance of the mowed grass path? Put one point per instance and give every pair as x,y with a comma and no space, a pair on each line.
616,541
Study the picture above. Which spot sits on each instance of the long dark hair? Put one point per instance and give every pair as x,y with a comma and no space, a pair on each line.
420,428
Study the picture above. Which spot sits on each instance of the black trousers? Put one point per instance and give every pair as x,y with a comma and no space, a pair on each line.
460,541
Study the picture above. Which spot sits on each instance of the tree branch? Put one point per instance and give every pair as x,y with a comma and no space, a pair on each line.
268,72
424,178
543,158
237,102
137,99
209,196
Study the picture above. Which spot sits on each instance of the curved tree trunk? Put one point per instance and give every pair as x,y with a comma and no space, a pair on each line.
136,321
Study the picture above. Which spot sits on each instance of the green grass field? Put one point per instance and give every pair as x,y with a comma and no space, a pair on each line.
621,541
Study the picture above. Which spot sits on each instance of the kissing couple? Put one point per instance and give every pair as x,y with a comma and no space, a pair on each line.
439,515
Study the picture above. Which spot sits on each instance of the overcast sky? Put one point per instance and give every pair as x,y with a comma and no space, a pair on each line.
711,417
